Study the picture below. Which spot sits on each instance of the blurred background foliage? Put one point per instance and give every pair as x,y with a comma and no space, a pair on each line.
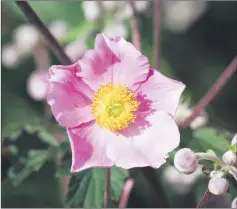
195,48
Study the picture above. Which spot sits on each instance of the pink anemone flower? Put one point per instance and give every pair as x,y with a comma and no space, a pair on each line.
117,111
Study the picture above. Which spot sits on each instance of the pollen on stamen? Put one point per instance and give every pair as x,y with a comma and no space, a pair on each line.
114,107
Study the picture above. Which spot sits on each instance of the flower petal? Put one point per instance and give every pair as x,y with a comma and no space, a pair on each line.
68,96
88,147
149,148
162,91
114,60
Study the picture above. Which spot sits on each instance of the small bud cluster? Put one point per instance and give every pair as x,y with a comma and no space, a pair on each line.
186,161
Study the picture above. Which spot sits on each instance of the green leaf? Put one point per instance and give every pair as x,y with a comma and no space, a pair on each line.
36,160
87,188
64,169
208,138
81,31
48,138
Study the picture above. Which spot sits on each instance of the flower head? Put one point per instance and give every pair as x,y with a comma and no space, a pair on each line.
218,185
186,161
116,109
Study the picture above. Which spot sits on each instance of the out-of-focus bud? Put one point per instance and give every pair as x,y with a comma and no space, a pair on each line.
180,15
116,30
182,112
141,6
234,203
37,85
218,185
234,140
186,161
179,182
217,173
76,49
59,29
109,5
26,38
10,56
199,122
91,10
229,157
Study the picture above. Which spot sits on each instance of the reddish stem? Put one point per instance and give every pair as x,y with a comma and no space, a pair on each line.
156,31
126,193
135,29
216,87
206,197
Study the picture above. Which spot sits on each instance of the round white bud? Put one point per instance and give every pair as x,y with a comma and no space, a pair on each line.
59,29
229,157
234,203
76,49
26,38
10,56
37,85
186,161
91,10
118,29
218,185
234,140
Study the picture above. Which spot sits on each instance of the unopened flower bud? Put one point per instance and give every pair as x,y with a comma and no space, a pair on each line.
37,85
217,173
59,29
234,203
229,157
218,185
186,161
234,140
76,49
26,37
10,56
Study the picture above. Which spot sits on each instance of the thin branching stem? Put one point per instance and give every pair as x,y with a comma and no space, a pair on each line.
38,23
126,193
205,199
216,87
156,33
136,39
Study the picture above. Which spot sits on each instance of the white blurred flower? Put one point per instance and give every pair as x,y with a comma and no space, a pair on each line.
184,111
218,185
117,29
199,121
180,15
10,55
230,157
76,49
59,29
234,203
234,140
109,5
91,9
123,12
37,85
26,38
179,182
186,161
141,6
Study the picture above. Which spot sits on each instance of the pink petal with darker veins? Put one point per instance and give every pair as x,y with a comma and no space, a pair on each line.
150,148
88,147
116,61
68,96
162,91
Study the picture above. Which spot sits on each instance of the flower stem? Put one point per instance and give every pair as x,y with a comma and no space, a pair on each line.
205,156
51,41
126,192
156,31
107,192
216,87
135,29
206,197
